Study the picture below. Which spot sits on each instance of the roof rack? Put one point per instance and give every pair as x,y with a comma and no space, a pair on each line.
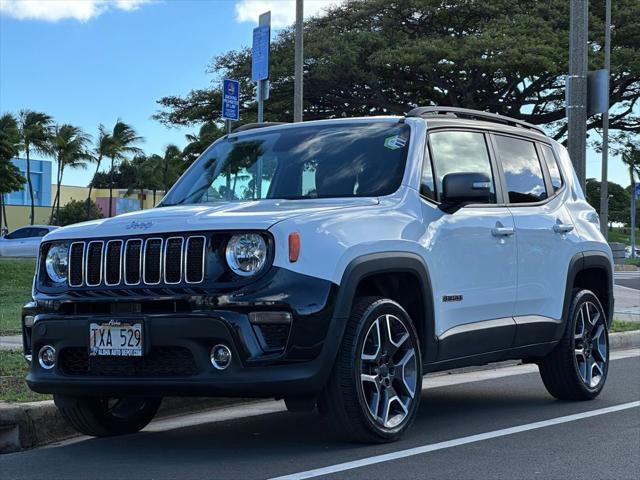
473,114
252,126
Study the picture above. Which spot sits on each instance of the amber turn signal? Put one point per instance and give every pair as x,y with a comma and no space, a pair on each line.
294,247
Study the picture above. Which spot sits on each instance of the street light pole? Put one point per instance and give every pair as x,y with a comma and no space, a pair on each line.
577,85
297,82
604,177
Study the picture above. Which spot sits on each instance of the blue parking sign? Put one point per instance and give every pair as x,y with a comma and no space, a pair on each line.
637,191
230,99
260,53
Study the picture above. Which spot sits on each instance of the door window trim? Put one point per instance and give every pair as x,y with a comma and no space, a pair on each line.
493,162
543,164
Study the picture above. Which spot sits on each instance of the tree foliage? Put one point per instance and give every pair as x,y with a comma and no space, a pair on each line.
369,57
619,200
75,211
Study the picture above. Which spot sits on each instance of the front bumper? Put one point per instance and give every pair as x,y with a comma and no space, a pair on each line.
177,348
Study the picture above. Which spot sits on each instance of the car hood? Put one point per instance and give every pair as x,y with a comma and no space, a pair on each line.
258,215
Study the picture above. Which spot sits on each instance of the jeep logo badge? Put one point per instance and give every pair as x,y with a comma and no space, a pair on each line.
139,225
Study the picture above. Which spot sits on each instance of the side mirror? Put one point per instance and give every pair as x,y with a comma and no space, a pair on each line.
466,187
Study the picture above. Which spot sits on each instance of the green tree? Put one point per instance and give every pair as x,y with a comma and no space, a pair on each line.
101,149
69,145
631,159
369,57
618,200
169,166
35,132
11,180
123,140
76,211
198,143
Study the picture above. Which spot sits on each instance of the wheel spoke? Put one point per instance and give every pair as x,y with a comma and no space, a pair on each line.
407,372
588,378
390,414
373,402
580,326
393,338
600,343
373,342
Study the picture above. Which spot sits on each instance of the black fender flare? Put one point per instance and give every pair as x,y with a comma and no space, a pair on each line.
389,262
582,261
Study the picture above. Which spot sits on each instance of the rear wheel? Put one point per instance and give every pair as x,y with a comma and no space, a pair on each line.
103,417
374,390
577,368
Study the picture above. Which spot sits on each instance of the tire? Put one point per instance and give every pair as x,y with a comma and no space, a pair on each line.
369,362
577,368
105,417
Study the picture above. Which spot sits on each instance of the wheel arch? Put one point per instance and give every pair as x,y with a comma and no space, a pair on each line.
592,270
369,267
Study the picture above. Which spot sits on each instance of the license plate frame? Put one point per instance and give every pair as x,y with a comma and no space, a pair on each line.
116,338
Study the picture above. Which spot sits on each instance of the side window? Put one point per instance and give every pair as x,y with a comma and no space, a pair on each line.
552,166
455,152
38,232
522,170
18,234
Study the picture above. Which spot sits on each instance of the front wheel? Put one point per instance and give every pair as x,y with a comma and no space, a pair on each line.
104,417
577,368
374,390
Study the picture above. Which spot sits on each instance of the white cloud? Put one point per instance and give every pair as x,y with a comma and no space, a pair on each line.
283,12
54,10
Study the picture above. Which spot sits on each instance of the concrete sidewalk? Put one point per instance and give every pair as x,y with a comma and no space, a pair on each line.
627,304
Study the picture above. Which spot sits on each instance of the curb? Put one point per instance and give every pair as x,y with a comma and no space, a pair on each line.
29,425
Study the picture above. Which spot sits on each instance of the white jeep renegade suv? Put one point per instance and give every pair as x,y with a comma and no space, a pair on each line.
330,263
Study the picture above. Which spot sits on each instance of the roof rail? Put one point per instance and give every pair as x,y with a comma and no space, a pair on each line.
472,114
252,126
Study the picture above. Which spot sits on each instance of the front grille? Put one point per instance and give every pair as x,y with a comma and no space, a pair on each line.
160,362
137,261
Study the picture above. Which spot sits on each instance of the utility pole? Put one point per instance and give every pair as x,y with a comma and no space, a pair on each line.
297,82
577,88
604,177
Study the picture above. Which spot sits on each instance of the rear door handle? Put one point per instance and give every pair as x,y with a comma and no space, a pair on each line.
562,227
502,231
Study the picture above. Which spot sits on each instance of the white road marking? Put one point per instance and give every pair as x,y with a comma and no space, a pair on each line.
387,457
271,406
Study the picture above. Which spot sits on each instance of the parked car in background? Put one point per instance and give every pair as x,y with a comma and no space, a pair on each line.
24,242
627,252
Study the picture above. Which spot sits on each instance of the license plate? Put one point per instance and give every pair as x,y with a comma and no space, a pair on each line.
115,339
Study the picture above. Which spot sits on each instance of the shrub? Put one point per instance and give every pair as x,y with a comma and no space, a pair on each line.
76,211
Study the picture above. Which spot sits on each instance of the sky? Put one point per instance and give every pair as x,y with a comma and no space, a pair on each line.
87,62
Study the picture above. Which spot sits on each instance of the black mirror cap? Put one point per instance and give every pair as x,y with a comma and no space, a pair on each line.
466,187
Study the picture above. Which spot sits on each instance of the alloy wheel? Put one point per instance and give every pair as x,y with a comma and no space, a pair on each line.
591,344
388,371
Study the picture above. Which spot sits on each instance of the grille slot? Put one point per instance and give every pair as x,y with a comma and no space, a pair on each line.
93,263
166,361
152,261
170,261
133,262
274,335
173,260
76,260
195,259
112,262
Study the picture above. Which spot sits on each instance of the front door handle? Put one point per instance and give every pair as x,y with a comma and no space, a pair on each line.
502,231
562,227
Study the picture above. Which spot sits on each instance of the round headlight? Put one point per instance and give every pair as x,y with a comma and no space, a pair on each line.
57,262
246,254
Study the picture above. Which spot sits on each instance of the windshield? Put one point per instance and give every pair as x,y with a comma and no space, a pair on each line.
319,161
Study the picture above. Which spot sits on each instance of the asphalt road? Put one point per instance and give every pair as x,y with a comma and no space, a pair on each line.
628,279
575,441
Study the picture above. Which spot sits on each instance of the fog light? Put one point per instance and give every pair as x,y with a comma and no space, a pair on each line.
220,357
47,357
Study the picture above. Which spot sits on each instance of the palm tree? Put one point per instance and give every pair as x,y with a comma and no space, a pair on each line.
35,131
100,151
11,180
124,137
69,146
631,159
142,176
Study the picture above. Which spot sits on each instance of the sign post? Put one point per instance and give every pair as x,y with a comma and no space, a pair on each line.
230,102
260,59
